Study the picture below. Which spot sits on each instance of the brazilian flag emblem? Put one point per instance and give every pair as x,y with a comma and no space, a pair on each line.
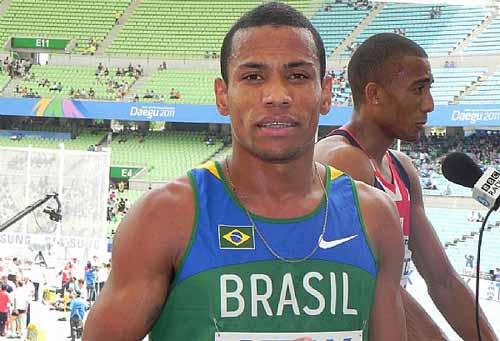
236,237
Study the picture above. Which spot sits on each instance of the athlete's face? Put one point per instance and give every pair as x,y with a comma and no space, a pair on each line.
274,93
407,97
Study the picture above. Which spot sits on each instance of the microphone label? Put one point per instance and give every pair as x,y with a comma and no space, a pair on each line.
492,184
487,188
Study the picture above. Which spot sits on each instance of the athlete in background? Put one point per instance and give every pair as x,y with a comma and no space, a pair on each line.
390,77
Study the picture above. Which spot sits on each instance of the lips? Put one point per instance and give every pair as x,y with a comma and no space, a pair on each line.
277,125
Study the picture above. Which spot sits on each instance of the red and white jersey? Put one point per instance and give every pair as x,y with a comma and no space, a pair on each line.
398,189
400,194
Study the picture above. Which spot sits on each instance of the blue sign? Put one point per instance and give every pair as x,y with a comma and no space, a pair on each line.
445,116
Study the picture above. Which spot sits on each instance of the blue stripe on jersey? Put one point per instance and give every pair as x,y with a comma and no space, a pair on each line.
290,238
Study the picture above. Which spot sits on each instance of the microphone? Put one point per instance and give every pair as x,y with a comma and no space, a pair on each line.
462,170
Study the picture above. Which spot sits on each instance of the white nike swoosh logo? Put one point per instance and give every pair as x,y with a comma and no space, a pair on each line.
332,243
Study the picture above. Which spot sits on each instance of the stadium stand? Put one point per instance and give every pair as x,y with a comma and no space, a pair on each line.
450,82
451,224
73,19
82,142
461,235
438,35
437,184
4,80
79,79
194,87
164,155
487,41
187,29
490,253
487,91
336,23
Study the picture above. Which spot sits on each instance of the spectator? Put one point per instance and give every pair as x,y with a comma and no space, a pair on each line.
139,71
469,261
175,94
90,279
17,322
4,309
102,275
121,187
38,277
65,276
80,288
118,15
77,314
53,87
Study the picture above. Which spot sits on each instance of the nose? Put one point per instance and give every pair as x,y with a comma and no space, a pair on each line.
275,93
428,103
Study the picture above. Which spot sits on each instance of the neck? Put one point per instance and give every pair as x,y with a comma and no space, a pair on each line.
277,181
372,137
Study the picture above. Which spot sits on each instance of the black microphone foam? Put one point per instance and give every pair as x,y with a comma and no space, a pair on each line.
461,169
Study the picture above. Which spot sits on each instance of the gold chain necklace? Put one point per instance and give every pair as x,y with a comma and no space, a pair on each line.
261,236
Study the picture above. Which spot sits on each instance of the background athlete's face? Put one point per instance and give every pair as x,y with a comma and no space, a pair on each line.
408,98
274,93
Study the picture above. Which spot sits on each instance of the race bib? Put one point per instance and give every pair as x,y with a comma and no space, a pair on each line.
325,336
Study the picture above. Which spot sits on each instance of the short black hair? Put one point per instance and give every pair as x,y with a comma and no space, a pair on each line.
275,14
370,58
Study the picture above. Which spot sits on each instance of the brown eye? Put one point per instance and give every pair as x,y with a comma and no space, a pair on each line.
252,77
298,76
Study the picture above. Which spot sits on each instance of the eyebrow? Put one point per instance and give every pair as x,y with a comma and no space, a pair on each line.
291,65
429,80
252,65
298,64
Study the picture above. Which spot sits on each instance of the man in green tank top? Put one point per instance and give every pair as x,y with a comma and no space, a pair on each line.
273,88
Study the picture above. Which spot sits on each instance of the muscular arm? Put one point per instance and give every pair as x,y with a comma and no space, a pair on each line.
387,319
448,291
146,250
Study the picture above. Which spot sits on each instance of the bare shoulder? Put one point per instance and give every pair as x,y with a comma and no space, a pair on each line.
326,148
406,161
337,152
157,229
146,251
411,170
380,217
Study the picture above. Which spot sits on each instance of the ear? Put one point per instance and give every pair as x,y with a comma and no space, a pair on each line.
326,95
373,93
220,89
